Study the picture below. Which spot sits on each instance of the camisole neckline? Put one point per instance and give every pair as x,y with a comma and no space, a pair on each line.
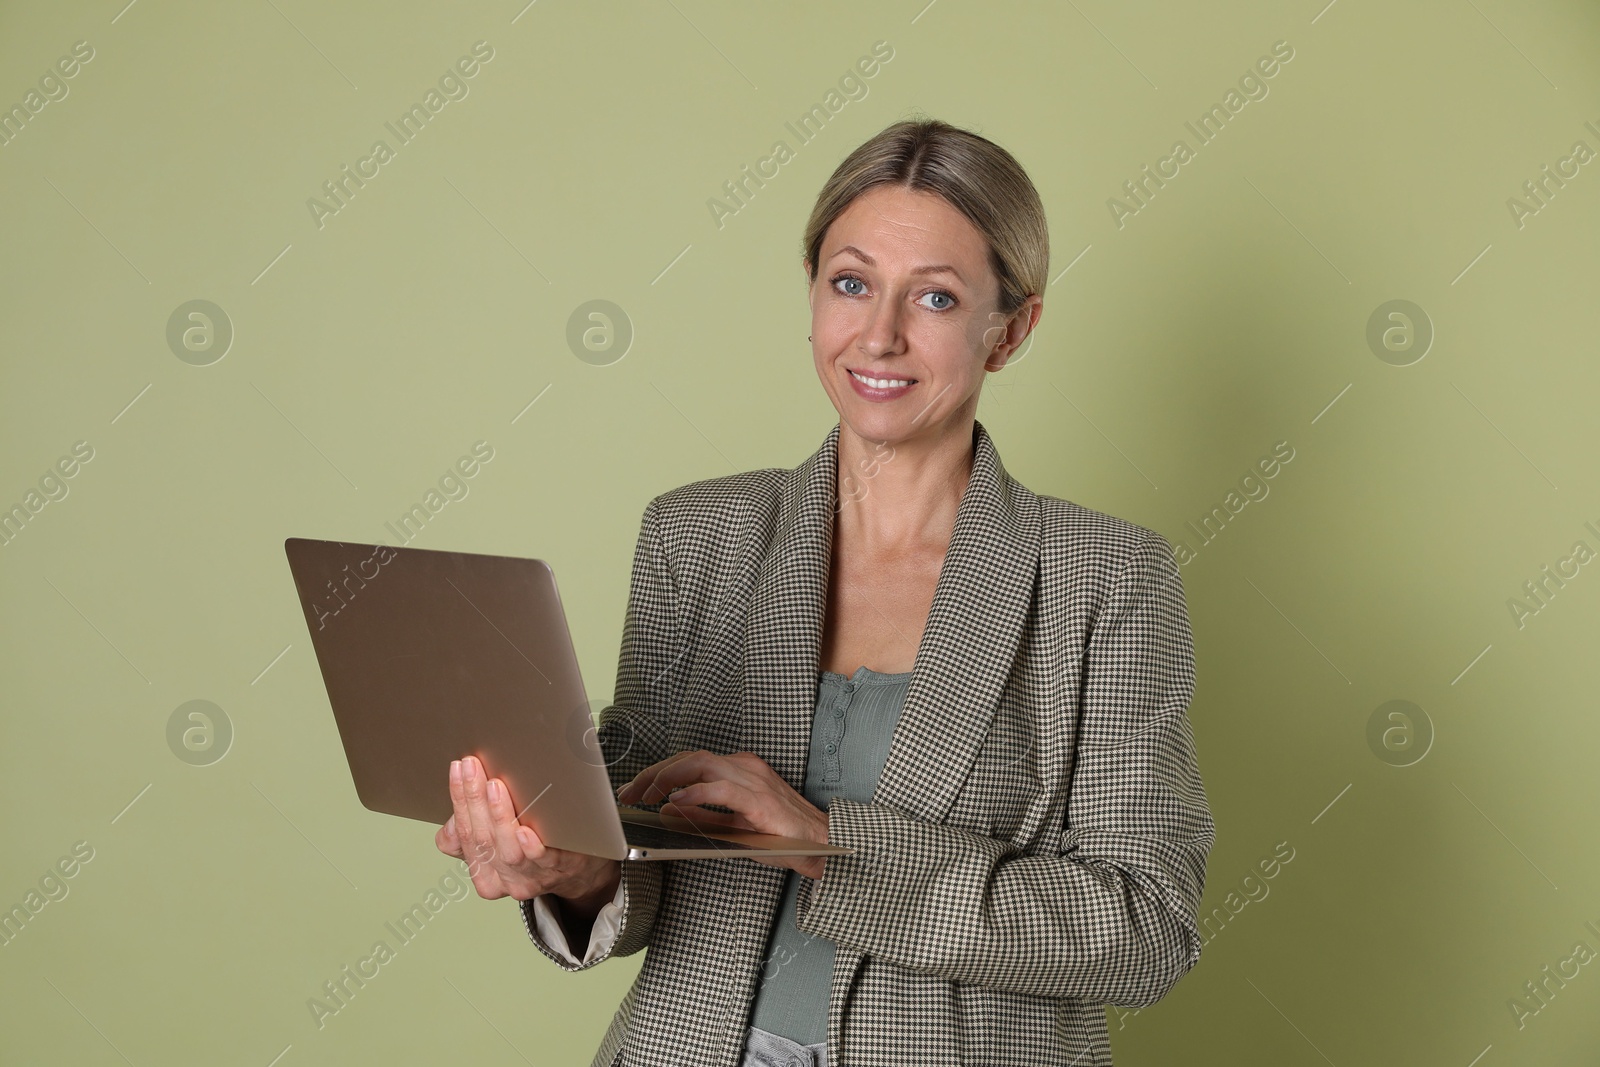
867,676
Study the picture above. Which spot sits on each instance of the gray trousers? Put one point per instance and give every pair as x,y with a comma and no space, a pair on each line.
764,1049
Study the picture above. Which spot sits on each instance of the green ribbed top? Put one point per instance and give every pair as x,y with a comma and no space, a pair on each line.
850,734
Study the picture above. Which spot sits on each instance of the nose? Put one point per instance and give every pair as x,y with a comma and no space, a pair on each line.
882,332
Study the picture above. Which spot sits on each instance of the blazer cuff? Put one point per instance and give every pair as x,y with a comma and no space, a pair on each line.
869,875
547,922
621,928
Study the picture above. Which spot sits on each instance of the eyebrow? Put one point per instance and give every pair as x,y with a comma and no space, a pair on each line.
932,268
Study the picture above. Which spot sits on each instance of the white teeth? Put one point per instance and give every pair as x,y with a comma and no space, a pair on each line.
882,383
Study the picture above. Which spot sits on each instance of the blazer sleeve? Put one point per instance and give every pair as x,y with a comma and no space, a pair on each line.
1110,916
634,730
547,926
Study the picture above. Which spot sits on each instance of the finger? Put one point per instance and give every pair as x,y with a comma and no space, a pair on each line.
445,839
460,832
479,839
744,803
447,832
507,845
694,767
460,823
632,789
706,819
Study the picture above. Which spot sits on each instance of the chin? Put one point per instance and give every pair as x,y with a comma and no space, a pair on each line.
880,426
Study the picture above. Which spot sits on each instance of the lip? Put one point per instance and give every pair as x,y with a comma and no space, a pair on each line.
867,392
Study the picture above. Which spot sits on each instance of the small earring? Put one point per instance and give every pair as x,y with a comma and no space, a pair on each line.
808,337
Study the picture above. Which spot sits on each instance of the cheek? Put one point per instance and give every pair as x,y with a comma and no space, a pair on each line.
991,332
982,331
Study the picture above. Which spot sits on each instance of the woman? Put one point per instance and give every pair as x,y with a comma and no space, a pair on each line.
898,648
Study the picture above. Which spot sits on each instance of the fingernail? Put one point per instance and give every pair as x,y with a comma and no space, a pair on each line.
455,769
494,789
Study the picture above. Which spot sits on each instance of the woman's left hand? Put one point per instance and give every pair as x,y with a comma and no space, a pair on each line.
743,782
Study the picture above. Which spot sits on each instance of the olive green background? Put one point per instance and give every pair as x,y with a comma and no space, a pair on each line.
1228,314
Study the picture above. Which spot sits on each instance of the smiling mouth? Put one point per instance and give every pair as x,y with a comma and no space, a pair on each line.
882,383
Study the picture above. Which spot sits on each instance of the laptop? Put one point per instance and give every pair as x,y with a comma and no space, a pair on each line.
429,656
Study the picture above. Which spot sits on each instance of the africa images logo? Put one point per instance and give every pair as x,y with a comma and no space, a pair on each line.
453,85
1252,86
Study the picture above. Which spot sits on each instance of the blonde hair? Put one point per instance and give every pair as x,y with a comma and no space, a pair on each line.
971,173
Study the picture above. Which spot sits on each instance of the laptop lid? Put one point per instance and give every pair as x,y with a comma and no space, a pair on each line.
429,656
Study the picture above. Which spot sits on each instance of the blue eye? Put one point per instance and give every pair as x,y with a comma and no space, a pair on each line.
839,280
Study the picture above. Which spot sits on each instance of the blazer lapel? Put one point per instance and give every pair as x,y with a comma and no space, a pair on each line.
783,634
980,605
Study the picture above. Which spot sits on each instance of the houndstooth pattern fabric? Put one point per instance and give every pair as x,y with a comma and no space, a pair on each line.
1036,846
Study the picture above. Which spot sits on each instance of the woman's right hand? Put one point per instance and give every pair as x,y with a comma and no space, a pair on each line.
506,858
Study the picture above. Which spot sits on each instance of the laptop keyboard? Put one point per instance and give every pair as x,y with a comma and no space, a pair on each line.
660,837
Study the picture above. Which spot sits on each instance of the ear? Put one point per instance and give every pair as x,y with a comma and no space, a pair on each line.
1005,338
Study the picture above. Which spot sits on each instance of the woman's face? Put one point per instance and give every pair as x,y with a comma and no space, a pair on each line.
904,295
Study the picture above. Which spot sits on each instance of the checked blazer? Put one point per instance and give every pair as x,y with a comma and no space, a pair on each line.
1036,846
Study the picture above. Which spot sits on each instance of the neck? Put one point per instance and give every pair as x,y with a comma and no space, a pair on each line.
902,495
